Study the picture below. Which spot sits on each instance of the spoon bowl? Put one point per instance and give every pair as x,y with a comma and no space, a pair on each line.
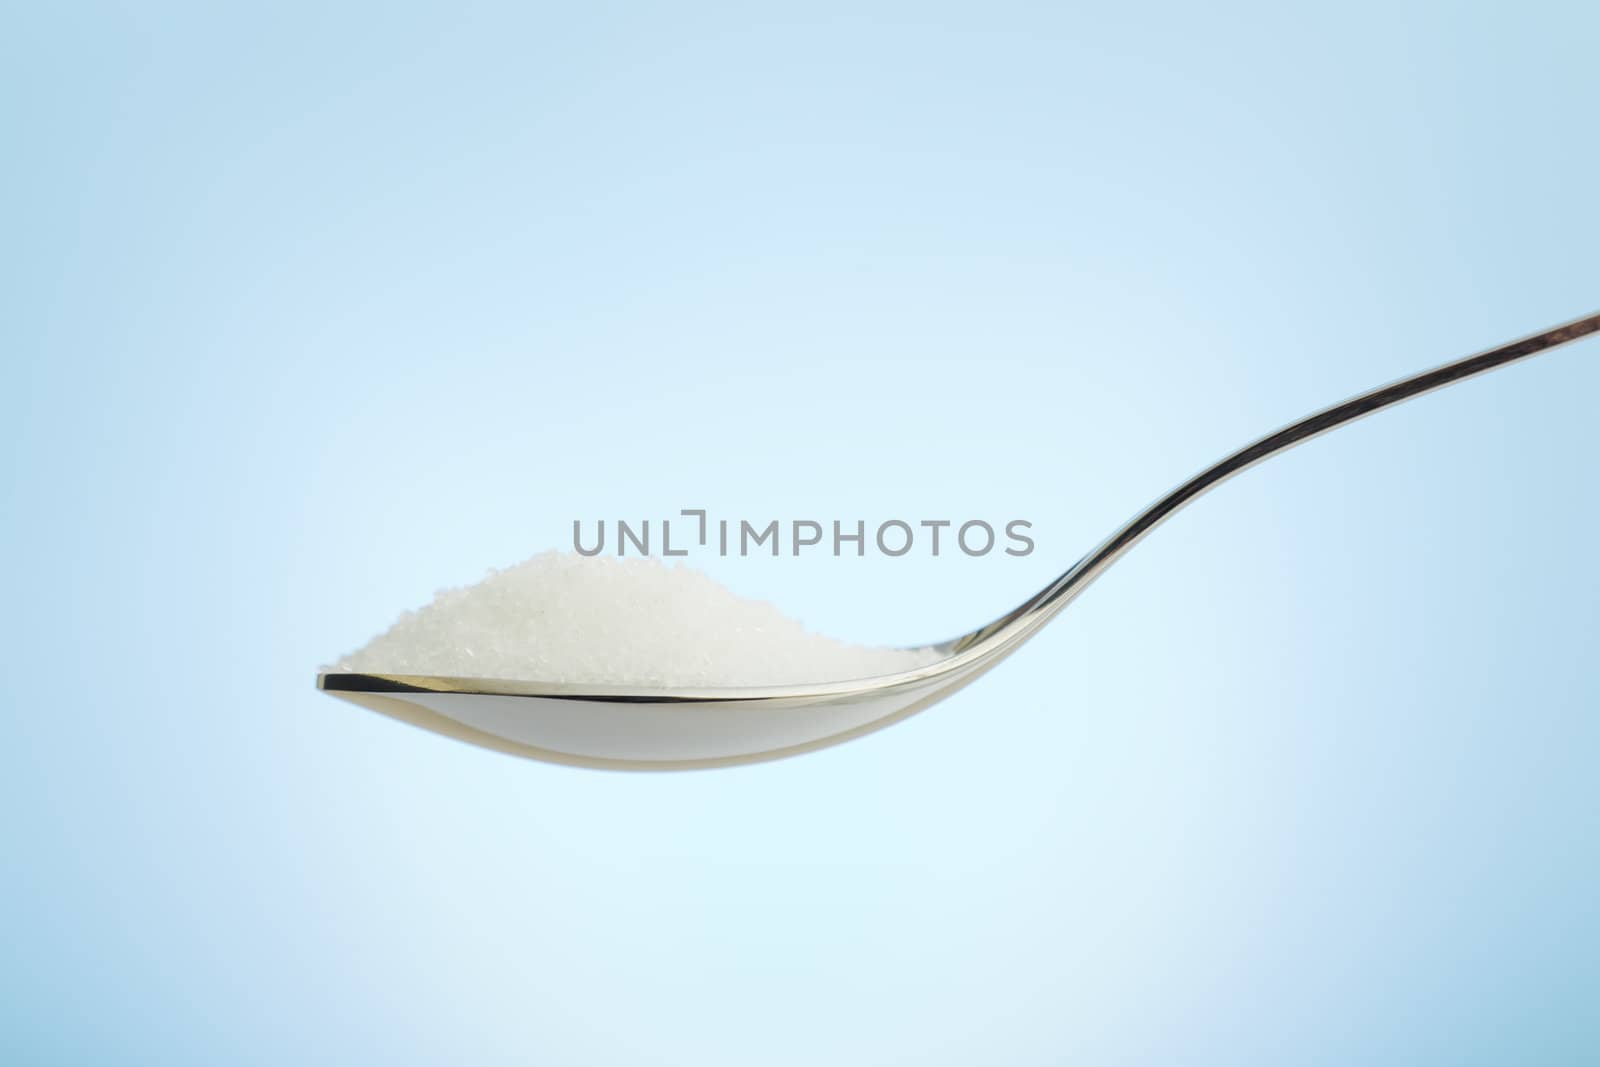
624,728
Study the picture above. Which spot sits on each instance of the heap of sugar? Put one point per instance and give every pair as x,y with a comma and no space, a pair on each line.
566,618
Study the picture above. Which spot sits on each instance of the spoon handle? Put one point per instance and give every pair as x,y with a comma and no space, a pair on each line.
1059,593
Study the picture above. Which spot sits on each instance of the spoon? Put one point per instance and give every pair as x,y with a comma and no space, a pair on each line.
624,728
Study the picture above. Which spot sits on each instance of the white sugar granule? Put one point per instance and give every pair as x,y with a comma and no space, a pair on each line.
566,618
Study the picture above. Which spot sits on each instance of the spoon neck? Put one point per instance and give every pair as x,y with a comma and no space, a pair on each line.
1044,605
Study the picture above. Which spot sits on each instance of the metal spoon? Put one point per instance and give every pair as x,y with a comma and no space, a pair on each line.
634,729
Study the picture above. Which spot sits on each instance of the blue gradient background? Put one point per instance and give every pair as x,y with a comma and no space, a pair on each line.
309,312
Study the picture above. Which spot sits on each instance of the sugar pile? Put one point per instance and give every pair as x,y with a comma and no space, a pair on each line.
566,618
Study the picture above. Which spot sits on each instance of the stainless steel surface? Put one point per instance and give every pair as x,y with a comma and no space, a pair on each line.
630,729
